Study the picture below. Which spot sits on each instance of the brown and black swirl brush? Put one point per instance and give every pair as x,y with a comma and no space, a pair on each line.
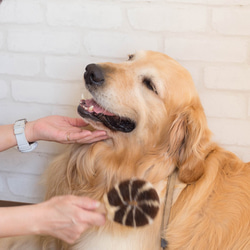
132,203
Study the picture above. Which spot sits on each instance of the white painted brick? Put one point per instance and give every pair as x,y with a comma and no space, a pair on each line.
23,110
242,152
23,65
118,45
157,18
230,132
231,21
195,71
90,15
66,110
51,149
13,161
26,186
4,89
214,2
1,39
248,106
230,105
44,41
207,49
25,11
2,184
148,1
46,92
234,78
67,68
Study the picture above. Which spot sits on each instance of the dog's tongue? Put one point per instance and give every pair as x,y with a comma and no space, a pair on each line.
92,106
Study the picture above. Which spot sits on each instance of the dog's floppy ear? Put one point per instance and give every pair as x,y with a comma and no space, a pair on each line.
187,141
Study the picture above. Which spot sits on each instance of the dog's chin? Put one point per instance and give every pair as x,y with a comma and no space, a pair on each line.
90,110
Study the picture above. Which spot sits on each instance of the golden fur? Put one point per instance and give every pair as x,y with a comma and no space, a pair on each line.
213,210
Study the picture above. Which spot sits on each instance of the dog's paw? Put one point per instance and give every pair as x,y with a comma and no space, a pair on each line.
133,203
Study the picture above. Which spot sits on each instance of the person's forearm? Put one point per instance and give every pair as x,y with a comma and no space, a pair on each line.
21,220
63,217
7,137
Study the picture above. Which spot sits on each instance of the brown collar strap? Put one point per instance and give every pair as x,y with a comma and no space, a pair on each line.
167,207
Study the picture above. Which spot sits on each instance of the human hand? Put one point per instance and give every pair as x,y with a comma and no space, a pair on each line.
62,129
67,217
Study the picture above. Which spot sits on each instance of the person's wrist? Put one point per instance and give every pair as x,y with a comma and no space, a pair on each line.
36,219
39,227
30,132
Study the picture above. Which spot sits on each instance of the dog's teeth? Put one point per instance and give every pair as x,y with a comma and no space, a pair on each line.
82,96
91,108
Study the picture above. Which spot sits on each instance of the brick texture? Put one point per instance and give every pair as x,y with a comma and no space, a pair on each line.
84,15
46,45
230,105
215,2
207,49
118,45
232,78
67,68
249,107
231,132
1,39
232,22
46,92
16,64
15,11
4,89
44,41
183,18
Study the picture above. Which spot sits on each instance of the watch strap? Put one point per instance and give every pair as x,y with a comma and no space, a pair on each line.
22,144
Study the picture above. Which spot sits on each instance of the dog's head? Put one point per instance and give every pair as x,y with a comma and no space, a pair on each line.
152,98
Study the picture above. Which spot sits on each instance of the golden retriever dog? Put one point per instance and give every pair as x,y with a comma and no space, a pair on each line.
153,115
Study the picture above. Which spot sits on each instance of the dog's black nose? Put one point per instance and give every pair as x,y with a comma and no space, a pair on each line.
94,75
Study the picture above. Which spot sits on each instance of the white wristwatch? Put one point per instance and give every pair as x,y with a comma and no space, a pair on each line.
22,144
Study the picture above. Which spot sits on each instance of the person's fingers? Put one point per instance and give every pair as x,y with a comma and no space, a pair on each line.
77,122
86,137
72,234
72,137
96,219
69,216
85,202
90,218
101,209
92,139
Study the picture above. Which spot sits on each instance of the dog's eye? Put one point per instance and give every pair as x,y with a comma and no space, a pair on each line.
130,57
149,84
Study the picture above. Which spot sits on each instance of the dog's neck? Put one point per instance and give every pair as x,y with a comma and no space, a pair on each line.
113,163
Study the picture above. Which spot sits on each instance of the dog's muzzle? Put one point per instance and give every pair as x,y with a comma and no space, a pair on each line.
91,109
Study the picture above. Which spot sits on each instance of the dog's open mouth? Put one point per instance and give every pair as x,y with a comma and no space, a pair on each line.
90,109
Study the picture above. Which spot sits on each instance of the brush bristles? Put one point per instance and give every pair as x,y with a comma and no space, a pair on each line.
133,203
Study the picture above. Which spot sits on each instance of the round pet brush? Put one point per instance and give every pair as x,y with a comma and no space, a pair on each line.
132,203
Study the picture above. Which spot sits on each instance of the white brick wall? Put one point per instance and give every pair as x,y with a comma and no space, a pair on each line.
228,77
53,42
183,18
21,12
16,64
231,21
46,44
84,14
208,49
